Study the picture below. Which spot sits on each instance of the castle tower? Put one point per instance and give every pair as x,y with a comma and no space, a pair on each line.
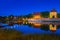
53,13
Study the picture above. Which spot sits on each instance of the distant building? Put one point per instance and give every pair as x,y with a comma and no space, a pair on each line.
53,13
36,15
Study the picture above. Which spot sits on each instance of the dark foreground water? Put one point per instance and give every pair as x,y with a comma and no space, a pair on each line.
31,30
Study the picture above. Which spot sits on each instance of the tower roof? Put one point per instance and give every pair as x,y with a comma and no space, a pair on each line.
53,10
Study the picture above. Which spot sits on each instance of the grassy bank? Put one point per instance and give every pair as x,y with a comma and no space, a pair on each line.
10,34
42,37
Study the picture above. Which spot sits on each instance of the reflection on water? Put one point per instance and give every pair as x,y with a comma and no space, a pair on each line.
31,28
34,26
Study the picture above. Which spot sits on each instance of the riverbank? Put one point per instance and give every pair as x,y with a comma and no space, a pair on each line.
12,34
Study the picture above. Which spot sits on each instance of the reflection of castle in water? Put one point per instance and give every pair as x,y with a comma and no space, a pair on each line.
37,20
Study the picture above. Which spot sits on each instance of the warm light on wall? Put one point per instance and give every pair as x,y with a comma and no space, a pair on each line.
52,28
53,14
36,16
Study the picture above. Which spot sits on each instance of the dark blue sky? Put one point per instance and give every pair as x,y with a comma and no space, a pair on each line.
23,7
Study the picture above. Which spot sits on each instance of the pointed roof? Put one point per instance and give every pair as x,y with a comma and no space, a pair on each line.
53,10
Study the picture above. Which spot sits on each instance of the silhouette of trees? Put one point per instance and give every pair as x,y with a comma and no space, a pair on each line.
28,16
0,18
45,14
11,17
58,15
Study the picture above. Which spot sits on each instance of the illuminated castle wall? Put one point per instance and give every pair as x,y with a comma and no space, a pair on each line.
36,15
53,14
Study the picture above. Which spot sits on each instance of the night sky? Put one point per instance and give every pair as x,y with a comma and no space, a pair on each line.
24,7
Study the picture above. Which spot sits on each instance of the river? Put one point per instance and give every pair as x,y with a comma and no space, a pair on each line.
25,29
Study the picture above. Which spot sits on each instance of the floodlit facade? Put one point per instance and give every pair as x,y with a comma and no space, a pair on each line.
53,14
36,15
35,18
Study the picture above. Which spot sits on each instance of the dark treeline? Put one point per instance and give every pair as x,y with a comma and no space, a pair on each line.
46,14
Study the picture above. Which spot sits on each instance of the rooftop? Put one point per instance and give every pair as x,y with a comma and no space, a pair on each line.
53,10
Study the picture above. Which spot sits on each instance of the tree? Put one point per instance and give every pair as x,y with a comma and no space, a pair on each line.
11,17
0,18
45,14
58,15
28,16
11,22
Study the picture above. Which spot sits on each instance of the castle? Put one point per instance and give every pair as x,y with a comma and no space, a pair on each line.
52,14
